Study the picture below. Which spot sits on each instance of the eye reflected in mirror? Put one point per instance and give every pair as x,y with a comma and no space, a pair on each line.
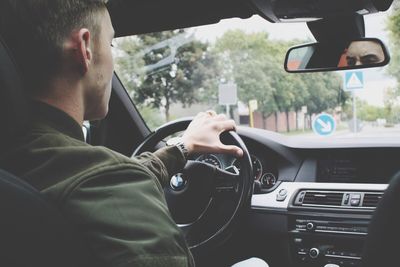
355,54
364,53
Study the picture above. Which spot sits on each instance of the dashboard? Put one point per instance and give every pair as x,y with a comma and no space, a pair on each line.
317,198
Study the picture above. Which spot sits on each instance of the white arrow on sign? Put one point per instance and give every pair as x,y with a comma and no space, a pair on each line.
326,127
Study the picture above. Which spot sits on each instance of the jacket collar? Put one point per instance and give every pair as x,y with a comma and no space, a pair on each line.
57,119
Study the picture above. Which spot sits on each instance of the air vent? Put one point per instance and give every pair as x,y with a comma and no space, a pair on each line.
371,199
323,198
340,199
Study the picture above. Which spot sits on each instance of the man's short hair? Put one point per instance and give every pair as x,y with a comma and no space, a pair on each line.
36,29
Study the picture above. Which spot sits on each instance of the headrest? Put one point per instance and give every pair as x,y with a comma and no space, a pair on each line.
13,102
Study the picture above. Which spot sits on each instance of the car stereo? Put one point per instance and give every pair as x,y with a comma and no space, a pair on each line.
320,242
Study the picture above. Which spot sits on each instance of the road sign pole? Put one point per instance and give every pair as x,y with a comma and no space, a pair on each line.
228,111
253,105
251,116
354,113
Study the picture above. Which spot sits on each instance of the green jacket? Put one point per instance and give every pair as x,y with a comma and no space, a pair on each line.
116,203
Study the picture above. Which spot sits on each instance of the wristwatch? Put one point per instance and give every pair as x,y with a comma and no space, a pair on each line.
178,143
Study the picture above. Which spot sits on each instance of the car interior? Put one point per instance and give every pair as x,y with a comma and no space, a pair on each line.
322,204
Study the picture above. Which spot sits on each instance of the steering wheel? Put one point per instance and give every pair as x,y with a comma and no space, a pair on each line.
206,202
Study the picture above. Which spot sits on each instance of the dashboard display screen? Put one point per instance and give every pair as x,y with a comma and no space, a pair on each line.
357,170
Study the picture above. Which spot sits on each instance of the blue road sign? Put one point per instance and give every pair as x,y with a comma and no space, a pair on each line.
324,124
353,80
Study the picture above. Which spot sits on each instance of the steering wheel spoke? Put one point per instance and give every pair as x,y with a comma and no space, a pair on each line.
227,181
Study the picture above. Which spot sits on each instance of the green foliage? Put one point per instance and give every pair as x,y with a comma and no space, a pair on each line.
152,117
188,69
370,113
391,102
251,60
393,25
248,63
255,63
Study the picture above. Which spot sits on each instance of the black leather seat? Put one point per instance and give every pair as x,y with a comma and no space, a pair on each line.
383,241
33,233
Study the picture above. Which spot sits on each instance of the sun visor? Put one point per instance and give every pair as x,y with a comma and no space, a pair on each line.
309,10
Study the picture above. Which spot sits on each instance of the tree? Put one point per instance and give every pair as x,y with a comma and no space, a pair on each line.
393,25
325,91
391,100
255,63
248,61
165,68
367,112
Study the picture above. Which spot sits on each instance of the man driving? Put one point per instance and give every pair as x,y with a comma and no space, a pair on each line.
115,202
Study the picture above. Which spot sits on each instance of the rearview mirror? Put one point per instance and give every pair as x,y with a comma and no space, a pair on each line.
355,54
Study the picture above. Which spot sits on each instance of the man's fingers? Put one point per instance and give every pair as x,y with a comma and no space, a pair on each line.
227,125
231,149
211,113
220,117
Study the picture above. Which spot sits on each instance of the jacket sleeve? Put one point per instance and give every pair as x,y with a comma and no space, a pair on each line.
122,213
163,163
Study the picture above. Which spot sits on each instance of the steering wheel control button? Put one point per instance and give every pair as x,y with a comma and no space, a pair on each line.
177,183
227,180
282,194
313,253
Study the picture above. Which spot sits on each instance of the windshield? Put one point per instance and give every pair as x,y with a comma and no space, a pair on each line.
236,67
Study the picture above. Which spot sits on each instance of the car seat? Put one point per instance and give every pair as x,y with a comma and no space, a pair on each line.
33,233
383,240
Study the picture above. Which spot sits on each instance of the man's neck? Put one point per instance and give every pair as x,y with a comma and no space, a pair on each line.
65,98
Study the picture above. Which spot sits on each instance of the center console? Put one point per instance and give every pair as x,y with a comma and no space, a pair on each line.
328,228
318,241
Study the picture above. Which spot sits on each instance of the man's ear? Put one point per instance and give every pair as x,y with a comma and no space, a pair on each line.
80,45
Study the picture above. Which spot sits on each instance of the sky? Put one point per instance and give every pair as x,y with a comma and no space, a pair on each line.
375,79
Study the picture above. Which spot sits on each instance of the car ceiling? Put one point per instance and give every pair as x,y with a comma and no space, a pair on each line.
143,16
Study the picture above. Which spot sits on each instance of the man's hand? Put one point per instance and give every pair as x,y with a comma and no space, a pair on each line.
202,134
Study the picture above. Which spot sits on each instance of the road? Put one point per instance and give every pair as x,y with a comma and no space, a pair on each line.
367,131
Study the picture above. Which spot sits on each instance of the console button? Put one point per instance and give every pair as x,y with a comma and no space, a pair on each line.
310,226
346,199
301,196
314,252
300,227
298,240
282,194
355,199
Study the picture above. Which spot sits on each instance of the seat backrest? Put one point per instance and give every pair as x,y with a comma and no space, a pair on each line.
13,104
383,241
33,233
